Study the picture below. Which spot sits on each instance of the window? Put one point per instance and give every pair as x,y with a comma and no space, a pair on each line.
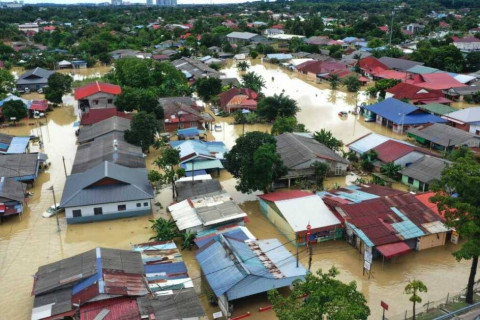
110,101
410,180
77,213
193,124
338,171
95,102
98,211
122,207
139,205
145,204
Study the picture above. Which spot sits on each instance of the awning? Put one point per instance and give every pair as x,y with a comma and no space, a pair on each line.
202,165
2,207
393,249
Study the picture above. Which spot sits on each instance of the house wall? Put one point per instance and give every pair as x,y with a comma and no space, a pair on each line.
464,127
31,87
415,184
101,100
110,211
468,46
409,158
172,127
474,128
277,220
311,76
431,241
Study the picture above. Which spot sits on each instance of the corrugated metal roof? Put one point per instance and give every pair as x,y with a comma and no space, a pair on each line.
18,145
11,190
19,165
113,124
187,189
445,135
112,309
184,215
426,169
182,304
202,165
392,150
284,195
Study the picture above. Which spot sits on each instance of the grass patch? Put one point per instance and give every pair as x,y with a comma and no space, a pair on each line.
432,314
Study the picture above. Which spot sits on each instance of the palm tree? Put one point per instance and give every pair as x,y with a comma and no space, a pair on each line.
414,287
334,81
391,170
253,81
243,65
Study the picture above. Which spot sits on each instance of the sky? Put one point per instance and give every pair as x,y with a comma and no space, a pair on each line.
132,1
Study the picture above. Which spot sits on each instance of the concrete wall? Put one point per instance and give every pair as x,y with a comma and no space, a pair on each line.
110,211
431,241
101,100
277,220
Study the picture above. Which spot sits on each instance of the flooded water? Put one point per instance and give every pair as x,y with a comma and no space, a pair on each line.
29,241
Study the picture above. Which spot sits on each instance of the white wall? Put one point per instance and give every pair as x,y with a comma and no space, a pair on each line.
102,99
474,128
108,208
409,158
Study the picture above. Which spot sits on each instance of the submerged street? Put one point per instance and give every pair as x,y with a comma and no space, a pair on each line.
29,241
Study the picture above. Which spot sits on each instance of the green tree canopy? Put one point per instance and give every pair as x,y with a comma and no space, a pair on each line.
326,296
277,106
352,83
391,170
253,81
334,81
462,210
254,161
326,137
58,85
287,124
139,99
143,128
207,88
414,287
14,109
7,83
243,65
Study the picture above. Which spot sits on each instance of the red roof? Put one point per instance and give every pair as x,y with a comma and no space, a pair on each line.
439,81
285,195
413,92
393,249
392,150
39,105
466,39
443,24
97,115
227,96
383,28
425,199
319,67
391,74
49,28
96,87
277,26
119,308
369,64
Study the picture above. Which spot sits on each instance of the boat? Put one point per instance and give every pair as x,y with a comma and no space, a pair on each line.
343,114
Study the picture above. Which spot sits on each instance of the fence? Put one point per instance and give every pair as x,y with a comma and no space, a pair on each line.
434,309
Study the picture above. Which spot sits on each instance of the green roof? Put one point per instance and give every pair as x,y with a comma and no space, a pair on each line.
437,108
422,70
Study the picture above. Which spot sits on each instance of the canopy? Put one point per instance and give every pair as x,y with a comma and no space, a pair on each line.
393,249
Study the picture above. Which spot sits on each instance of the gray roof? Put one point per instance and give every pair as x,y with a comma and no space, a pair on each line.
464,90
110,147
219,211
80,188
61,300
426,169
67,272
242,35
445,135
297,151
11,190
34,76
187,189
230,81
5,138
195,67
113,124
399,64
19,165
171,101
183,304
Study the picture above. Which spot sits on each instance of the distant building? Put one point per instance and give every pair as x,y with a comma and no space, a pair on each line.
117,2
467,43
166,2
34,79
29,27
244,37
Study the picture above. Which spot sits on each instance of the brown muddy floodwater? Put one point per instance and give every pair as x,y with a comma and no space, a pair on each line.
29,241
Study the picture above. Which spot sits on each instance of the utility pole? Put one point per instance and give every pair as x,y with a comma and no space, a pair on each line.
309,227
55,207
64,167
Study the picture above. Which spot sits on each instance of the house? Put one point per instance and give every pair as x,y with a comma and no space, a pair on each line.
243,38
182,113
12,197
273,32
423,172
399,64
415,94
12,144
371,65
97,95
236,266
279,56
238,99
318,40
194,68
399,115
110,147
173,295
200,155
79,64
413,28
23,167
467,119
191,134
211,210
385,222
315,69
197,185
368,142
459,93
231,82
70,286
299,152
106,191
94,116
109,125
291,212
466,43
399,153
437,81
418,69
33,80
124,53
64,64
437,109
443,137
29,27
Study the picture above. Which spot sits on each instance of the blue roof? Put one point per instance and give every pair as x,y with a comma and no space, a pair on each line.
18,145
14,97
208,149
354,195
349,39
400,112
167,268
406,228
188,132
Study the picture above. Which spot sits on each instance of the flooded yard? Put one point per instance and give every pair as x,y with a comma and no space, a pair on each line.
29,241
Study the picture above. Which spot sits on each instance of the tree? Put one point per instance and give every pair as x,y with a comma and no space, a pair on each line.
207,88
287,124
352,83
139,99
253,81
188,239
143,128
334,81
254,161
58,85
320,170
277,106
391,170
326,296
326,138
253,54
165,230
380,87
7,83
472,61
14,109
167,163
414,287
462,211
243,66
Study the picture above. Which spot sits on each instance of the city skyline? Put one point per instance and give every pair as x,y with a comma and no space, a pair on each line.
132,1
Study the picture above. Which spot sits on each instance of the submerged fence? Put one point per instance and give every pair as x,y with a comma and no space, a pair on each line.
430,310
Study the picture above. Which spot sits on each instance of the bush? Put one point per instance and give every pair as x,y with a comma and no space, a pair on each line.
367,165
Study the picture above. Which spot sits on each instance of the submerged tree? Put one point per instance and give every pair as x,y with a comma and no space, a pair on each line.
253,81
391,170
327,296
458,196
207,88
14,109
277,106
414,287
243,66
58,85
334,81
7,83
287,124
320,170
143,128
326,137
